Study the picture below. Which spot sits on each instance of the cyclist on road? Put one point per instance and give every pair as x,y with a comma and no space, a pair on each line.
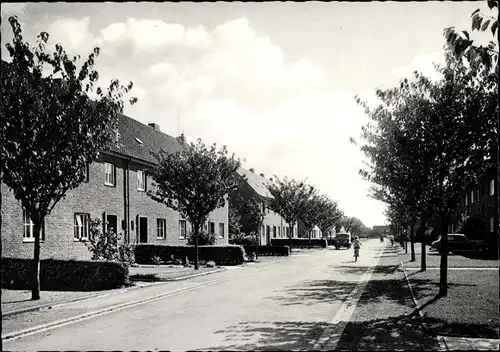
356,244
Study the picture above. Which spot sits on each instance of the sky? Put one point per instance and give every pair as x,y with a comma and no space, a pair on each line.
273,81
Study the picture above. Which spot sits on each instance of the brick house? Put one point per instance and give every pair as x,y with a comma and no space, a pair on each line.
480,203
253,185
115,192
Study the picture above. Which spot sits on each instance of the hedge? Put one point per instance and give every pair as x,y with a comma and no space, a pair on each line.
331,241
221,255
269,250
65,275
299,242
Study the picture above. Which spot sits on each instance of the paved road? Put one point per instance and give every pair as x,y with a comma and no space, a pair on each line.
287,303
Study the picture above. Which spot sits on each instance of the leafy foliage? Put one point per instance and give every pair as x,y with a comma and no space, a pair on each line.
106,245
451,122
34,108
195,181
290,199
329,214
205,238
353,225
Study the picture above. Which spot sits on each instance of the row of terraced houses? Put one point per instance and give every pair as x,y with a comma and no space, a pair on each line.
115,191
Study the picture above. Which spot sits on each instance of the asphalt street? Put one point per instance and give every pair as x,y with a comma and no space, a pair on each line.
281,304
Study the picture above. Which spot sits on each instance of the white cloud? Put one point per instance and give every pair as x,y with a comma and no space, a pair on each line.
233,86
10,9
423,63
73,34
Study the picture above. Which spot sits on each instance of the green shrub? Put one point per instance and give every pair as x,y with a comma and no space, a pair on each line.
106,246
269,250
204,239
65,275
221,255
156,260
300,242
243,239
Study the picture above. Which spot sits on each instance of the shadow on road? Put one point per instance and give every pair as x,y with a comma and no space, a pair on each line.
385,317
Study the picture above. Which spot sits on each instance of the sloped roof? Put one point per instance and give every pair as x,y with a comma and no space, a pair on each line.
133,132
257,182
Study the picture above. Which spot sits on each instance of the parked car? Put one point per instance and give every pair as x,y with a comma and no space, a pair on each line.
459,242
342,239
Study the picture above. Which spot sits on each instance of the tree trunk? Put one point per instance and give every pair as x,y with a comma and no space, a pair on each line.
421,235
290,237
443,278
412,258
35,288
257,245
309,240
196,234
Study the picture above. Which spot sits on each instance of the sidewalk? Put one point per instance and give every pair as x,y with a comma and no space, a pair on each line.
467,319
386,316
19,301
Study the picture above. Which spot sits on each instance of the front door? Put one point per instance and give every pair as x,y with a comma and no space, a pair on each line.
143,230
112,223
268,235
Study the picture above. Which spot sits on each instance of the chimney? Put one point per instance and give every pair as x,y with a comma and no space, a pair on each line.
262,175
155,126
181,138
252,170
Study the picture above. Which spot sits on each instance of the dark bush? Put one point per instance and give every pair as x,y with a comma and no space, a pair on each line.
65,275
221,255
243,239
204,239
269,250
299,242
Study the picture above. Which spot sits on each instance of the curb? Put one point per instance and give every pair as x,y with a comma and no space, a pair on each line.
441,341
103,311
98,295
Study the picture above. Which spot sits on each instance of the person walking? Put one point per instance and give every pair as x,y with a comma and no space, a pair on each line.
356,244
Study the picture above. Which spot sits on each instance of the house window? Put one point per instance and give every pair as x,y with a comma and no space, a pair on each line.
141,180
279,231
81,226
492,187
274,231
182,229
471,197
262,230
221,229
466,200
29,228
161,229
492,224
109,174
287,232
212,228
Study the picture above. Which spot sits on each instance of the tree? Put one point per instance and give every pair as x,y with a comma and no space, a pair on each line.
37,167
449,122
462,46
234,220
312,214
289,200
195,182
252,211
330,214
352,225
